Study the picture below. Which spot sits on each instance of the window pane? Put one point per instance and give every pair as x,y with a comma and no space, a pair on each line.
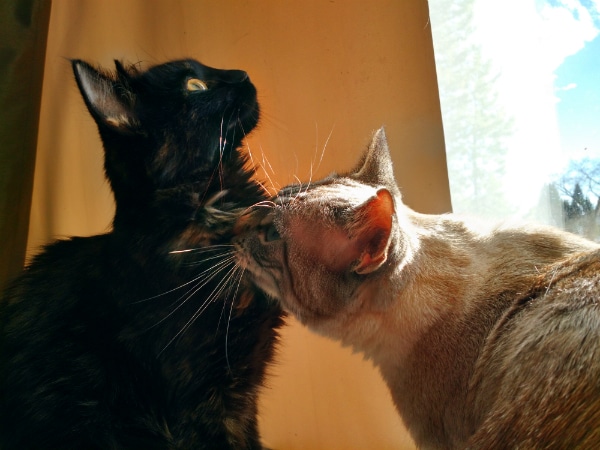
520,100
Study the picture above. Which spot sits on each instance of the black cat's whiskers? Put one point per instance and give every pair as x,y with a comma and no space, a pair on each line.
266,161
225,285
225,126
199,282
205,260
216,293
195,316
254,166
241,271
222,144
266,164
228,286
211,248
264,188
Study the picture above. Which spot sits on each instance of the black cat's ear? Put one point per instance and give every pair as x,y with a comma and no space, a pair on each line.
371,231
109,101
376,167
121,71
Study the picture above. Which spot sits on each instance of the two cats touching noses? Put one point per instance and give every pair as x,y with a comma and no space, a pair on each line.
158,333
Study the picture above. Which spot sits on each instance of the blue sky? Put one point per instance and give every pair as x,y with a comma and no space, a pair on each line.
547,56
578,110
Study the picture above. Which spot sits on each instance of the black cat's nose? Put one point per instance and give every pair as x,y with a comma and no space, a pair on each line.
232,76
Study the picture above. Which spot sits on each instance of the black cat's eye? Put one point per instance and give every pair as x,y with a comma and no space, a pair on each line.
194,84
271,234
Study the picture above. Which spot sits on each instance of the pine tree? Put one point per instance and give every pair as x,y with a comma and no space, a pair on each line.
474,125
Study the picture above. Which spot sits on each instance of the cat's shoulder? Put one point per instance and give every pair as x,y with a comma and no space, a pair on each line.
541,354
69,252
59,267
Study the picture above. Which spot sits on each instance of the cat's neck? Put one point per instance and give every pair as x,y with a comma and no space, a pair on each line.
441,267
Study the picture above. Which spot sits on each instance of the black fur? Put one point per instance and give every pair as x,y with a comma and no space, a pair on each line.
98,348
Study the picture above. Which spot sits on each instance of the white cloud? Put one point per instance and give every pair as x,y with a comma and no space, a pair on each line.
568,87
527,40
563,31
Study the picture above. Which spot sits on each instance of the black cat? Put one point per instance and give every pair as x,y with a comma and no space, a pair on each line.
146,337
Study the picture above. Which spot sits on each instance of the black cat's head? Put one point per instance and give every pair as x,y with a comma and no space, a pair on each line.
172,124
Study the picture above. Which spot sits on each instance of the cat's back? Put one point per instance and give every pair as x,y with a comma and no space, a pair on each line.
60,357
537,382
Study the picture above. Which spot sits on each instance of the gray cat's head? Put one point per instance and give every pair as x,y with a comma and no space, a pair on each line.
318,247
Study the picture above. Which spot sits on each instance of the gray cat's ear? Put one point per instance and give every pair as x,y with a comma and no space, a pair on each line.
108,100
376,167
371,232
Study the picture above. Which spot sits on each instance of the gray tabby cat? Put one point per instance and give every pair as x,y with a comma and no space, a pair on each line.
485,339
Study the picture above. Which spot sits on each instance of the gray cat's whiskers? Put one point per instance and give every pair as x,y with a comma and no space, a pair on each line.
324,147
263,204
301,188
312,162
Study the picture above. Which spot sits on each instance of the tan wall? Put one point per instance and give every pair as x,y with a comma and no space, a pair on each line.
322,68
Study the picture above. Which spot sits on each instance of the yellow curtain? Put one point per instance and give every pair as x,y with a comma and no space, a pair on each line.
328,74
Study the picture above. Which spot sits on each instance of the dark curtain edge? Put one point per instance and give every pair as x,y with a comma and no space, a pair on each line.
24,25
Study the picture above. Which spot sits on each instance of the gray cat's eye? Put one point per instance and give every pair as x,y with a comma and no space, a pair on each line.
271,234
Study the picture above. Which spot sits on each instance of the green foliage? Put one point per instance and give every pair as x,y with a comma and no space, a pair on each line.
578,205
579,190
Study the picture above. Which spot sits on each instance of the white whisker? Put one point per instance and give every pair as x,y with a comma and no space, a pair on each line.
201,249
255,167
267,165
200,281
227,254
325,146
213,295
262,204
241,272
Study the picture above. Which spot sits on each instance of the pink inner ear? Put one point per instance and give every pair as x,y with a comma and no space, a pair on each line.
372,231
361,247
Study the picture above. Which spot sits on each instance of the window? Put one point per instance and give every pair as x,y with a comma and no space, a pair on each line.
520,101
